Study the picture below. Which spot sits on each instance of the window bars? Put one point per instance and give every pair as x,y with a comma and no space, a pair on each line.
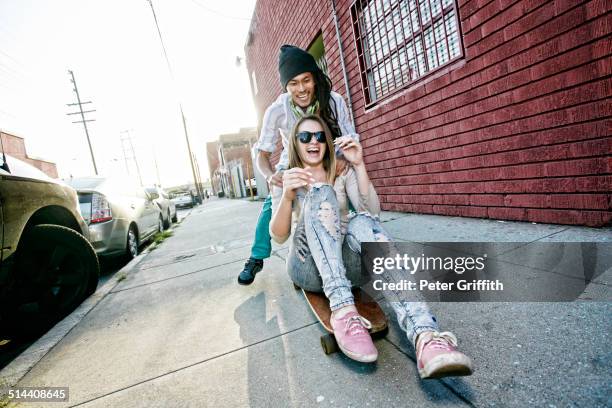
400,41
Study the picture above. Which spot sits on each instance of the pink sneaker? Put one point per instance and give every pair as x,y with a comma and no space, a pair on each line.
353,338
437,356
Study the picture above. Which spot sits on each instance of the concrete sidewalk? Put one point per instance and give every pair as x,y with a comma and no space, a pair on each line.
179,331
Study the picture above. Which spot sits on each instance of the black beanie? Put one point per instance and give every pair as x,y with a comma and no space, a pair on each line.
293,61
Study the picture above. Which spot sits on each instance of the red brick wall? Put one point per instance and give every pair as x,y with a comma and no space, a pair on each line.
518,129
15,146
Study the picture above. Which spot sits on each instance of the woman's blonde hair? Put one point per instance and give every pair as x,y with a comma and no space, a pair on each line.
329,159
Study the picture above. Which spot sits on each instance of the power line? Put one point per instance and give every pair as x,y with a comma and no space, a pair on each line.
161,40
7,114
10,71
127,146
83,120
11,58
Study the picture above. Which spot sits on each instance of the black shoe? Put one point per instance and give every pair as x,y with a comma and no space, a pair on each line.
251,267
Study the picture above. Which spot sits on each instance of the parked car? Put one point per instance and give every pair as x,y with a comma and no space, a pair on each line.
120,214
47,265
166,206
183,200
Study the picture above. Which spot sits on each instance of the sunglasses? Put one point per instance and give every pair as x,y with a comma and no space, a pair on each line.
306,137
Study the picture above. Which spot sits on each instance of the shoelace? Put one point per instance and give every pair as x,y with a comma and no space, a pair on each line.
356,325
442,340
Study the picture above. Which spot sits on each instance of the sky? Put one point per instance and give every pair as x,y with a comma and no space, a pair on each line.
113,48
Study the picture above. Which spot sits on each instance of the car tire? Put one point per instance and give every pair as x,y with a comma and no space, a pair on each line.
175,218
131,243
160,224
56,269
167,221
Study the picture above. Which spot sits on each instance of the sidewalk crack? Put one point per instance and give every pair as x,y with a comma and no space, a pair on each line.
174,277
196,363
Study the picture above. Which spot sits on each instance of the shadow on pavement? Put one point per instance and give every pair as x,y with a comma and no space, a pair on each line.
251,317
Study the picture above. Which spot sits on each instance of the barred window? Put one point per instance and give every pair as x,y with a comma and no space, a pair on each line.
400,41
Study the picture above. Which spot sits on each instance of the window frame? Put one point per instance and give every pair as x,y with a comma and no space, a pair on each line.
393,53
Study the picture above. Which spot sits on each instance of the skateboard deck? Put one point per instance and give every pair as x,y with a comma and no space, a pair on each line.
366,305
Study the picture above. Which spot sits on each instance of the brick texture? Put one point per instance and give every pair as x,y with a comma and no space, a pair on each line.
15,146
520,128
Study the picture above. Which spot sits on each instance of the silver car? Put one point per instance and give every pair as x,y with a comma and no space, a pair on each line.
166,206
183,200
120,215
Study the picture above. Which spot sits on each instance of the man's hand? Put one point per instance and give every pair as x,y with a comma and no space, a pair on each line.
275,179
340,166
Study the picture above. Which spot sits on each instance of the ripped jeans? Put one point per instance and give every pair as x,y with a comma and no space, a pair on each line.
320,260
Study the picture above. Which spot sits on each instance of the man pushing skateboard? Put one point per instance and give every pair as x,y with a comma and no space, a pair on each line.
308,91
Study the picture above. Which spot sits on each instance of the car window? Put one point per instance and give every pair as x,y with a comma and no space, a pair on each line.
85,200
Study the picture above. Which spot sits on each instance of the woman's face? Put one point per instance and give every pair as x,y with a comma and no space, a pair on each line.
311,153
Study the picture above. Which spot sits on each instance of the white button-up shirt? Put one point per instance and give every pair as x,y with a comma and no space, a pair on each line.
279,119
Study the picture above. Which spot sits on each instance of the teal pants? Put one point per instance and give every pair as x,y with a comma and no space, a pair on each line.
262,247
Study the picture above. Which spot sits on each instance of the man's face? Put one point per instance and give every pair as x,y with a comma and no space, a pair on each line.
302,89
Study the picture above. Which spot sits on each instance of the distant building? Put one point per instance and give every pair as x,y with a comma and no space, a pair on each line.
492,109
230,162
15,146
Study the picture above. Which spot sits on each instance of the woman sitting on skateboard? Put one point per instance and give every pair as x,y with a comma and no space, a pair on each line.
319,251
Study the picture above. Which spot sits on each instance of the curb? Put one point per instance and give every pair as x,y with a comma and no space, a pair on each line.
23,363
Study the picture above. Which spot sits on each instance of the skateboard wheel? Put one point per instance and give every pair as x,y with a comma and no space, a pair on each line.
328,343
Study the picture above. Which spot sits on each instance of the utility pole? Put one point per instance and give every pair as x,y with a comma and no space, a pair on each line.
127,140
161,40
199,178
156,167
83,120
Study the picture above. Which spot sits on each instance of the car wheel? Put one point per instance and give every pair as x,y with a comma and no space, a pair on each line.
55,270
131,248
175,218
167,221
160,224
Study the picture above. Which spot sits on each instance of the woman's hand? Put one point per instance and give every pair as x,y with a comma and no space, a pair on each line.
293,179
351,149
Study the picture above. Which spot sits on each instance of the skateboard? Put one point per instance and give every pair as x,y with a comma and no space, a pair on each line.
366,306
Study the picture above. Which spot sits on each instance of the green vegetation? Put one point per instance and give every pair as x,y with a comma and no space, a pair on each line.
5,402
161,236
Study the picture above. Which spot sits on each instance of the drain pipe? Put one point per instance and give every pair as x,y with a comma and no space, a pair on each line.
346,83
